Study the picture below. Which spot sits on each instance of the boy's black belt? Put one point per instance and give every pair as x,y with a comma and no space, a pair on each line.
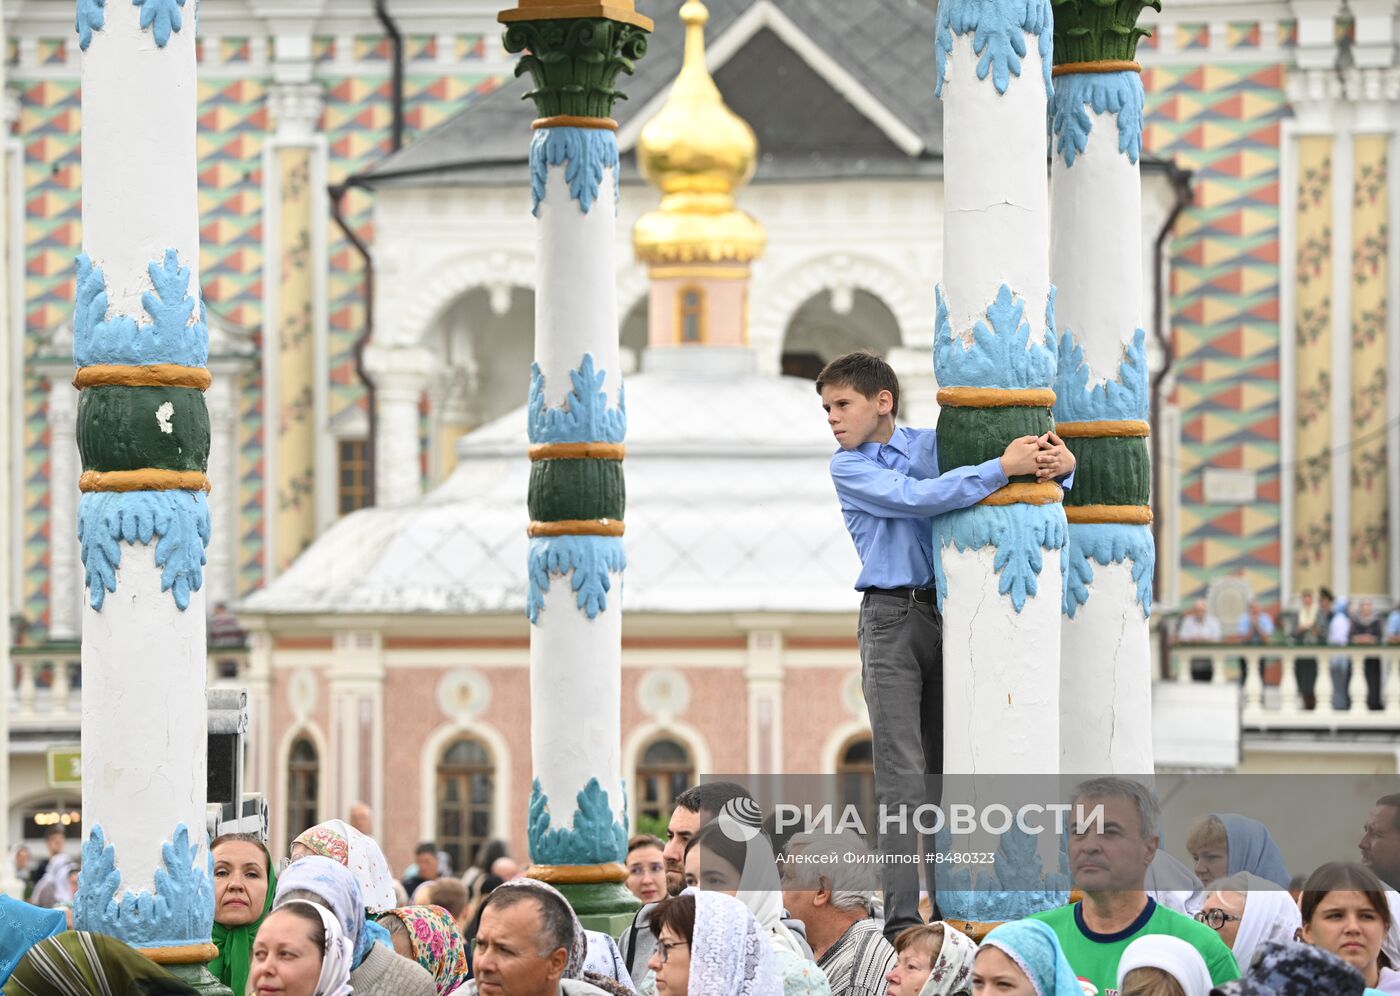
921,595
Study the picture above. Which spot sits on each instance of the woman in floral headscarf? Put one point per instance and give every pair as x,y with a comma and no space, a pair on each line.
343,844
429,936
932,959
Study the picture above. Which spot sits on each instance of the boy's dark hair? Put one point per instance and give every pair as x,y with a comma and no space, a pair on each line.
427,847
862,371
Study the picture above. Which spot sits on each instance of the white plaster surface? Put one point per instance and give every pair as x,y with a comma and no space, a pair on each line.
1106,680
576,699
1001,669
1095,246
139,182
997,208
144,717
576,301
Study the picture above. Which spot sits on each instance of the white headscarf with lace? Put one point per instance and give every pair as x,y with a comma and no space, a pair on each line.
729,956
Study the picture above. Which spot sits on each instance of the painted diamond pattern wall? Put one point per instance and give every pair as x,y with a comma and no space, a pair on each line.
1223,122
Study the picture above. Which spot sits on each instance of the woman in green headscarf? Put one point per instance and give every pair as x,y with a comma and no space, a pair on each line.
244,883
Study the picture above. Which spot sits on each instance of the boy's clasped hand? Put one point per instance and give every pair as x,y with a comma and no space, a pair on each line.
1047,457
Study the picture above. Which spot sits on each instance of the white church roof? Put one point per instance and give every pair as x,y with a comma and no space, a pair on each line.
730,508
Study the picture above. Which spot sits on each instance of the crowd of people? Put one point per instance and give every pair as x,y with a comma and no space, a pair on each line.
734,914
1323,620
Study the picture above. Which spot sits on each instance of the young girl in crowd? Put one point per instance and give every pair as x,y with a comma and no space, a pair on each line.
1345,911
1023,958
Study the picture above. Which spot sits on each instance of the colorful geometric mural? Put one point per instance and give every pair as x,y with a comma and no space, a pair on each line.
1222,122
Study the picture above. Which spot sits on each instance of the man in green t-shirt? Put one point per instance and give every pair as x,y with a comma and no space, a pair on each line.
1112,843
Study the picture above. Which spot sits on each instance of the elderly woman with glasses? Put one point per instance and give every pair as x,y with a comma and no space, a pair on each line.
1247,912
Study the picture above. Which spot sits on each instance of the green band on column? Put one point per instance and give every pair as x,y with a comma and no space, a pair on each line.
1113,471
132,428
969,436
563,490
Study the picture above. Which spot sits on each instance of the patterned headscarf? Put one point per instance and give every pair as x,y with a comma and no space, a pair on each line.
334,979
235,944
80,964
1292,969
952,969
341,893
343,844
437,944
1035,949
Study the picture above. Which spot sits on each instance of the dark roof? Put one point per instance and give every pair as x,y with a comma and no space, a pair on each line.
806,129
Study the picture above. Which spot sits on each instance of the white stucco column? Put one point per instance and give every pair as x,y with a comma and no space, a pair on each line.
221,573
1102,409
577,423
400,375
143,517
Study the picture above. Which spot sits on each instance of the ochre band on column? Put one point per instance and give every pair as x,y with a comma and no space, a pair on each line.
1098,66
577,451
578,527
1019,493
188,954
995,397
574,121
1103,429
157,375
149,479
577,874
1127,515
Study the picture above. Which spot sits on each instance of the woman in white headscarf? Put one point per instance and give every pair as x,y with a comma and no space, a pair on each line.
1173,957
709,944
343,844
1248,911
321,966
724,856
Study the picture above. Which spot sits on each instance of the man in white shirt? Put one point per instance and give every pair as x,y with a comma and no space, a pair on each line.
1199,626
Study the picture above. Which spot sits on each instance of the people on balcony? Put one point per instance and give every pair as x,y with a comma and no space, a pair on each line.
1366,632
1199,626
1339,635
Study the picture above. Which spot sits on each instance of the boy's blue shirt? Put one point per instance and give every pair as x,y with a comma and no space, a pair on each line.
889,494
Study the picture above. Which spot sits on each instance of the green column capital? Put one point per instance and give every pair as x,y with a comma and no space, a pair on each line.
1098,30
575,61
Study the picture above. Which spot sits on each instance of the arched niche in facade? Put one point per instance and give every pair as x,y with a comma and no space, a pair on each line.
836,321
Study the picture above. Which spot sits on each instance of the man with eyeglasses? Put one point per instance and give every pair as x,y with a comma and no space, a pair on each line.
1112,842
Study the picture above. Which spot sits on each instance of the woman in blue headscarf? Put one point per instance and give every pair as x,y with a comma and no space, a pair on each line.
376,969
1023,958
21,927
1225,844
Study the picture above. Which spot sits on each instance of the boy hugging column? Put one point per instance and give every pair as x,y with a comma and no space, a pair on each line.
1102,389
998,563
575,52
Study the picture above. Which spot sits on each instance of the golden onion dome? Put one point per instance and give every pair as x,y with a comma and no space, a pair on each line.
697,152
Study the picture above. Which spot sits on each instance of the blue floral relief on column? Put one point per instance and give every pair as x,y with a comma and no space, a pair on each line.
584,153
586,416
170,336
1016,886
998,29
1018,532
1123,398
162,17
594,838
1001,354
1107,543
179,913
592,560
1120,94
177,520
90,18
